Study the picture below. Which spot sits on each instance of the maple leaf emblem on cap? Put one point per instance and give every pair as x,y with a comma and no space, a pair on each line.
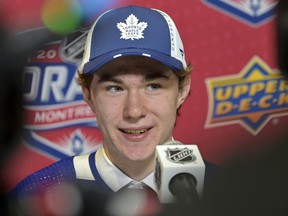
132,29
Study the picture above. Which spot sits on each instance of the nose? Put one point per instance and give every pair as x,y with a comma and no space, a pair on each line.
135,108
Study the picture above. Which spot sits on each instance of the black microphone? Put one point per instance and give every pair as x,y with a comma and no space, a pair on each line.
179,173
282,35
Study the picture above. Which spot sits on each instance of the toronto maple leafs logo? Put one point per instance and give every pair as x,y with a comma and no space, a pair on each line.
132,29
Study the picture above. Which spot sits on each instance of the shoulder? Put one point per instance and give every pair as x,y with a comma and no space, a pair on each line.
211,170
82,166
45,178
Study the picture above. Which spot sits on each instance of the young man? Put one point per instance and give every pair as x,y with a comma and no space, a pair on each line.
135,78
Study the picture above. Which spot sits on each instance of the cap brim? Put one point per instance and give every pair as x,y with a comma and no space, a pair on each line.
99,61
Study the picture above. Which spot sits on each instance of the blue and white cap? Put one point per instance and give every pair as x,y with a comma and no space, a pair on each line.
133,31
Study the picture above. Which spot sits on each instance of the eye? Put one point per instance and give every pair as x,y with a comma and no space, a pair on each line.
114,89
153,87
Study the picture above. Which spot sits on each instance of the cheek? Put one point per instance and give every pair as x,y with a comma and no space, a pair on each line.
105,112
166,108
172,102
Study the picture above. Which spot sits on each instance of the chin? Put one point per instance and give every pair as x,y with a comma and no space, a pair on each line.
138,157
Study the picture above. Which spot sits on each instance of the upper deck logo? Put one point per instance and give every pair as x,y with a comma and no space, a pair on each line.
181,155
251,98
252,12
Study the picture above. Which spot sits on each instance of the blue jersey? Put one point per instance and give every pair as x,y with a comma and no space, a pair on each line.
57,173
65,170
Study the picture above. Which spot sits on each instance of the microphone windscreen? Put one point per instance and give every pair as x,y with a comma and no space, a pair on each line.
173,159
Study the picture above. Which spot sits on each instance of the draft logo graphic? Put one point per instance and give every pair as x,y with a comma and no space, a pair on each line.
58,123
250,98
252,12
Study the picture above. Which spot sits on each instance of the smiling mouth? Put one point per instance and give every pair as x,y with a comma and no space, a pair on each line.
140,131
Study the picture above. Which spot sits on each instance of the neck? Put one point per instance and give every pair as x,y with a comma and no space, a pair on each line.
137,170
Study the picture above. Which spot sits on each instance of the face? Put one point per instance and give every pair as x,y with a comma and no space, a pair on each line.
135,100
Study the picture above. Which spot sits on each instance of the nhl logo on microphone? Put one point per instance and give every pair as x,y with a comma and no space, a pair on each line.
181,155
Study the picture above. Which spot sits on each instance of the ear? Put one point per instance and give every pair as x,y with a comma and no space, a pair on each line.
87,97
184,91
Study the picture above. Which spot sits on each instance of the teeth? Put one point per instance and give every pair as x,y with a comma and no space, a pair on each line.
135,131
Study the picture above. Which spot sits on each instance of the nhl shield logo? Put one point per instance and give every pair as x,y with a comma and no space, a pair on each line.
181,155
252,12
72,46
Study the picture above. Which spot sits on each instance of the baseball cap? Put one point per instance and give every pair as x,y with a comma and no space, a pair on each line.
133,31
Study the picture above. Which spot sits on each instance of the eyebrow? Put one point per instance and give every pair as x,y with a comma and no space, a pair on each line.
109,78
151,77
147,78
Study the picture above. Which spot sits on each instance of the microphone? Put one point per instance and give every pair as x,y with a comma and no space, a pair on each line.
179,172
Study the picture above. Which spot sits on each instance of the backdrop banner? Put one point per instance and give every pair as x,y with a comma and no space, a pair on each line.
238,101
